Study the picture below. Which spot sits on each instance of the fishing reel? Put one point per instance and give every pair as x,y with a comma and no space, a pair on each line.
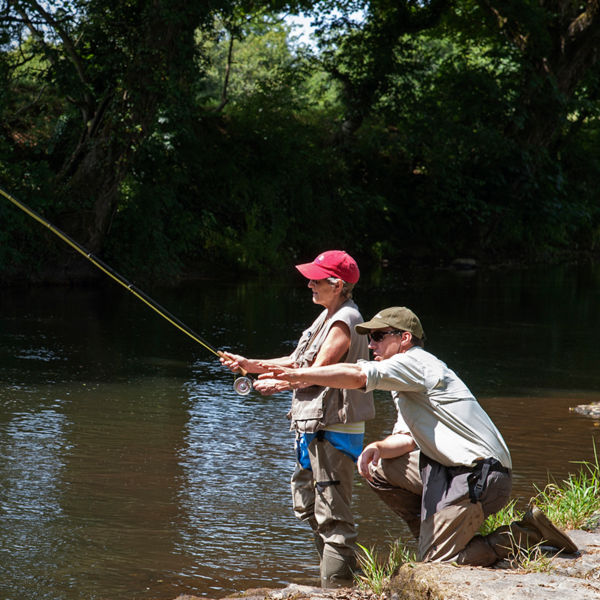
242,385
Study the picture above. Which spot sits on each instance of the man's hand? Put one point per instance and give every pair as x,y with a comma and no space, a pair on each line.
276,372
266,387
392,446
369,456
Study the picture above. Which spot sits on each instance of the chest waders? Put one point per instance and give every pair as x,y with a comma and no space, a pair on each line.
321,485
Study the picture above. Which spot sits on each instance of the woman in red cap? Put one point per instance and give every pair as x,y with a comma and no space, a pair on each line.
328,422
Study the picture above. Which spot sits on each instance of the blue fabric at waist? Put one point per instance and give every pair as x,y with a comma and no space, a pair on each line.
350,444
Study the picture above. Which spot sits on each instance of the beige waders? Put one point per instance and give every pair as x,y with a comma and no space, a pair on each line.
322,497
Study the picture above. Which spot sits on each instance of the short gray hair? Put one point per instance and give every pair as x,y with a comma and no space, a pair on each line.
346,288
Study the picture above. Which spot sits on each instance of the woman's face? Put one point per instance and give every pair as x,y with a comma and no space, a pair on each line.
323,291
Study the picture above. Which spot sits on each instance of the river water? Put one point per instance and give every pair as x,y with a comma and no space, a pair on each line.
129,468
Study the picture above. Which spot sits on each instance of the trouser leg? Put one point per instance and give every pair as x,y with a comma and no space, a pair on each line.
454,512
448,531
333,473
303,500
398,483
445,533
322,497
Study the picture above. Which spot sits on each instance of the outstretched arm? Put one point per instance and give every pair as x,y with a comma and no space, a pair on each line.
235,362
341,375
333,350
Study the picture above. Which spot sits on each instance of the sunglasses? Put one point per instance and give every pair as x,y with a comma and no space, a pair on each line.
377,336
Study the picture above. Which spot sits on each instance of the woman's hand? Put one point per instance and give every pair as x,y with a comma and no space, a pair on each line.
234,362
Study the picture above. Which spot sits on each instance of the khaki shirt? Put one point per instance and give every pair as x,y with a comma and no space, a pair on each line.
437,409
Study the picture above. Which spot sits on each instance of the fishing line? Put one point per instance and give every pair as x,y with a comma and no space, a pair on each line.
242,385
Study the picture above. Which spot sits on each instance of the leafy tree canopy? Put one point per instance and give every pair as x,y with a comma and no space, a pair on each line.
167,135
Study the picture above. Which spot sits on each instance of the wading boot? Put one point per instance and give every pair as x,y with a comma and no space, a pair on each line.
551,535
319,544
337,567
507,540
534,529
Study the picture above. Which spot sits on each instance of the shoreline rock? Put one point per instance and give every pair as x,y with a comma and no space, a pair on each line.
588,410
573,577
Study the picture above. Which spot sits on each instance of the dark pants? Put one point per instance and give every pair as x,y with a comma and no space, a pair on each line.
436,502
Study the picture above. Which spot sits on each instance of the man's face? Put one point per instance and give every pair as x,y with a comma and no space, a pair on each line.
384,343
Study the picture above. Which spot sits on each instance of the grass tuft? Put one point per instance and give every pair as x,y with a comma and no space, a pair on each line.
530,560
505,516
576,503
377,572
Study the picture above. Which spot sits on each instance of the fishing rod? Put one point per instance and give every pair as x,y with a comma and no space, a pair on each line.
242,384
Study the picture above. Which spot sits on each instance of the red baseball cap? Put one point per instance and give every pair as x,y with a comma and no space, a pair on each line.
333,263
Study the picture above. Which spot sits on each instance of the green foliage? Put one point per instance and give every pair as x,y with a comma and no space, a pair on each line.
377,572
268,187
174,135
576,502
504,516
26,247
253,56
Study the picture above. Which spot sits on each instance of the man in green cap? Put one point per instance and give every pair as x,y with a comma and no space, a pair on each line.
445,467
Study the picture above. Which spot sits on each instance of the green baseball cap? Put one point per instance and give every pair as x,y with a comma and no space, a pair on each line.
398,317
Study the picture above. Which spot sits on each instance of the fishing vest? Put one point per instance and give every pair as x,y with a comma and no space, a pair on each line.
316,407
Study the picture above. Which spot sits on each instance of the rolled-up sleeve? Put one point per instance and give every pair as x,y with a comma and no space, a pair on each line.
373,375
398,373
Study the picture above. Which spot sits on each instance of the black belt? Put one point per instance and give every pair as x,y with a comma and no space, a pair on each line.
495,465
479,474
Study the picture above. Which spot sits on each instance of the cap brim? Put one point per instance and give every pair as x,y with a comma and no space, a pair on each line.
367,326
312,271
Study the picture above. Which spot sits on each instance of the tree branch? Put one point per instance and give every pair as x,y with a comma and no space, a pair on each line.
224,98
68,44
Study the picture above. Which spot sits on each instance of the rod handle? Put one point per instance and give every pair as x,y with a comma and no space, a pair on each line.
241,371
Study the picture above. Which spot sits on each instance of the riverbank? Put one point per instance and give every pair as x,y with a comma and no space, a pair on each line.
571,577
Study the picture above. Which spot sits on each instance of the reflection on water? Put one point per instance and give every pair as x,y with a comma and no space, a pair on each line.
31,447
236,461
130,468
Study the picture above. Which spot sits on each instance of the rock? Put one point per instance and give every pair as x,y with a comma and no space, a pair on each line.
464,264
588,410
572,577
